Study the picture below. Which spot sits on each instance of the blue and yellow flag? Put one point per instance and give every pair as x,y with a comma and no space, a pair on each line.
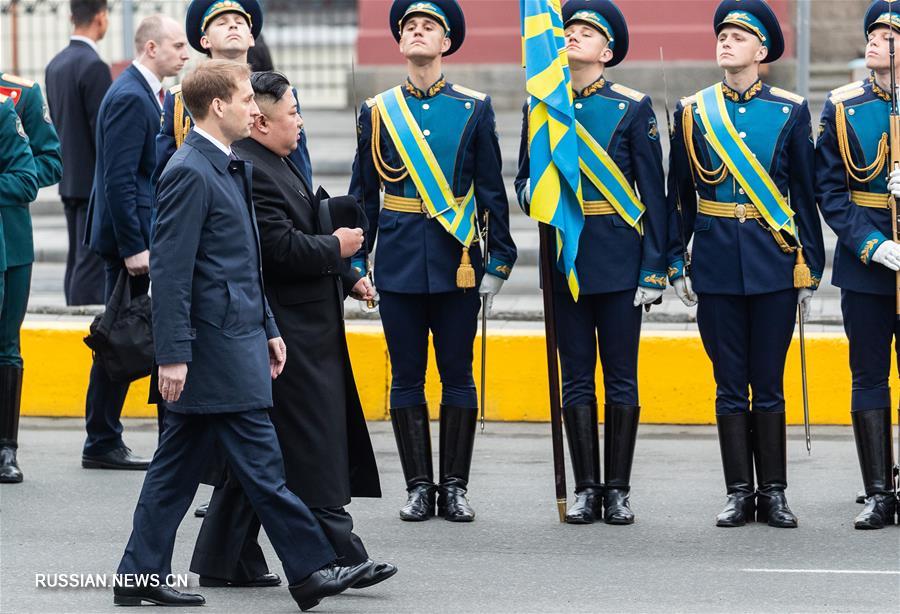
556,197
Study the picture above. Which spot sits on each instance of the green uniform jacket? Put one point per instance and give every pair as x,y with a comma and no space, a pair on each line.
35,117
18,177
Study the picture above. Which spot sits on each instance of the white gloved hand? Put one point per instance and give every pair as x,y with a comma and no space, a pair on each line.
526,193
894,183
685,290
804,298
647,296
888,254
490,286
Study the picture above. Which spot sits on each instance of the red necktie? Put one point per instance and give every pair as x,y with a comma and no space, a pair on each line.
162,96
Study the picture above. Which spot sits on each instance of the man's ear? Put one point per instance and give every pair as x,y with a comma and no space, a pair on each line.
261,123
606,55
762,53
252,41
445,44
204,42
218,107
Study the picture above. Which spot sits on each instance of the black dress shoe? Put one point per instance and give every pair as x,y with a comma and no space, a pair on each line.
419,503
739,510
379,572
158,595
453,504
267,579
200,512
9,467
118,458
878,512
586,507
615,507
327,582
772,507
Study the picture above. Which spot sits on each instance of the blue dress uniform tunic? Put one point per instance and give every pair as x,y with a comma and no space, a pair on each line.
613,258
416,261
743,277
851,179
43,141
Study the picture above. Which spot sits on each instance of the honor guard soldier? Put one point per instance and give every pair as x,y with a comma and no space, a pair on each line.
741,169
211,26
33,120
852,154
433,147
621,261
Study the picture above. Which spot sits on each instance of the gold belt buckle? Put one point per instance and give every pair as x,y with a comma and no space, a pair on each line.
740,212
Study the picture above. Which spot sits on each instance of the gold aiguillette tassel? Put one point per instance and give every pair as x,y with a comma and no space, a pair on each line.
802,276
465,274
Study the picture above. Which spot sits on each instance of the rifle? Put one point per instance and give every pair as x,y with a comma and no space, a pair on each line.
894,135
371,304
685,254
559,460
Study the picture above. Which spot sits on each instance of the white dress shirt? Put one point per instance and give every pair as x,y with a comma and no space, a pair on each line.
87,41
206,135
152,80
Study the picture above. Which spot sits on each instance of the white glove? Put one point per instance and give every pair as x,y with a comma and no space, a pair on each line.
490,286
685,291
888,254
647,296
526,193
894,183
804,298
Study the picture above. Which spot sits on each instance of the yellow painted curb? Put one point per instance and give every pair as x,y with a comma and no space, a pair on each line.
676,377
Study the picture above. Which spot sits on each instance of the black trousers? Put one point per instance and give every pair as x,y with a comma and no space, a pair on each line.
84,278
227,546
105,398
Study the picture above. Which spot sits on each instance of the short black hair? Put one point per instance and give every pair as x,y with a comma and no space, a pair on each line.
84,11
269,86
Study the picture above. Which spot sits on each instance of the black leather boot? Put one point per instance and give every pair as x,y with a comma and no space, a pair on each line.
582,433
457,441
770,453
737,462
10,400
620,426
411,429
872,431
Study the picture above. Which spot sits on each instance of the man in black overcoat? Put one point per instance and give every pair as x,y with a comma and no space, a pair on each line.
317,412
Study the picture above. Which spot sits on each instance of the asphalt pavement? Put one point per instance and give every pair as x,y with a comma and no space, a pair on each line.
516,556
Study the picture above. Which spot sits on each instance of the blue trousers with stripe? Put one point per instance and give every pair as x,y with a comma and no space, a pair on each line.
870,321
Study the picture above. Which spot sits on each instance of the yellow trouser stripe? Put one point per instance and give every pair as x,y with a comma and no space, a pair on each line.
598,207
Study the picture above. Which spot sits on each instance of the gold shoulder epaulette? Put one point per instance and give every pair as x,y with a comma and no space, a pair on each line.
846,95
175,89
688,100
627,91
847,86
17,80
467,92
370,102
796,98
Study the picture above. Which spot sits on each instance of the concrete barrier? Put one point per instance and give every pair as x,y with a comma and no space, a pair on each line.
676,377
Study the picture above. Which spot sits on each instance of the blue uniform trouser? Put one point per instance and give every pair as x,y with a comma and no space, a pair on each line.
870,321
608,323
16,287
105,398
249,442
452,318
747,339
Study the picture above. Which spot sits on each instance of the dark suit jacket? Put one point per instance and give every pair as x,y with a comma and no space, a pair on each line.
317,412
209,309
119,210
76,81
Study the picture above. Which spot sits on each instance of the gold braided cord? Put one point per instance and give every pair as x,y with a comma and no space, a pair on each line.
855,172
706,176
387,172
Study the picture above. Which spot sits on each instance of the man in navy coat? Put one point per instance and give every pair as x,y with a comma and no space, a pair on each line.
119,211
218,349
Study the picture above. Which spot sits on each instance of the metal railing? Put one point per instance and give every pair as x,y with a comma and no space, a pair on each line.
311,41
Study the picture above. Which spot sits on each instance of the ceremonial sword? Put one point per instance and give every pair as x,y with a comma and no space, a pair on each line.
483,233
894,130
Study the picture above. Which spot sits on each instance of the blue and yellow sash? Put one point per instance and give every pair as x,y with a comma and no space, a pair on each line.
426,173
599,167
730,147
